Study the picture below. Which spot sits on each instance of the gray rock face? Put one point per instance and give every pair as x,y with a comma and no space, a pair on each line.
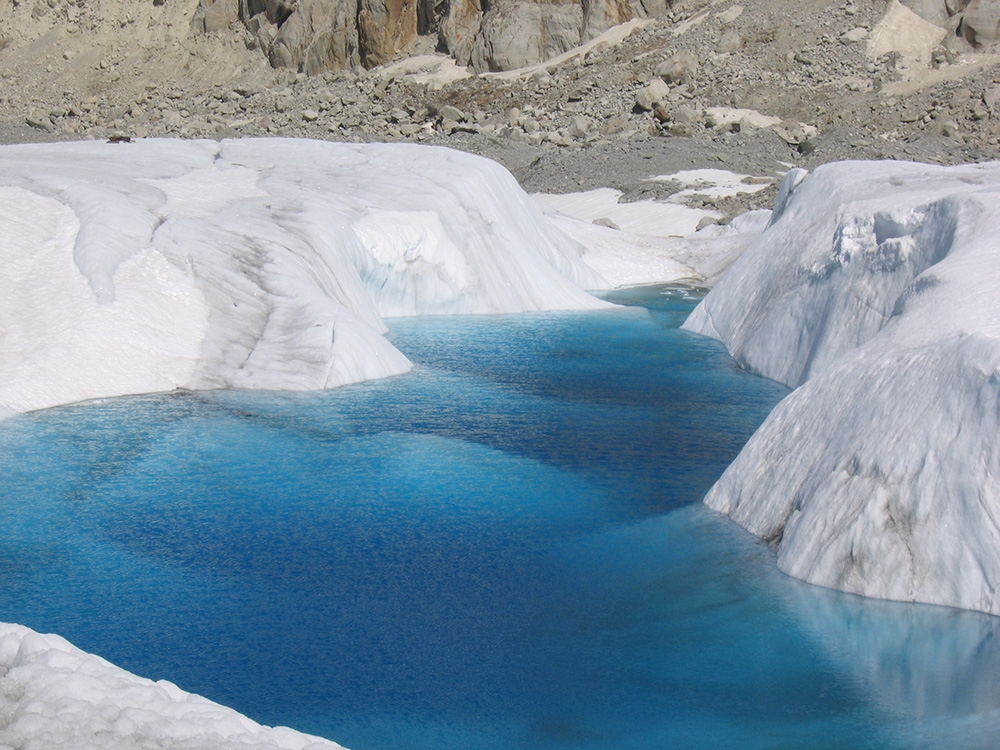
981,22
386,28
512,34
601,15
314,36
319,35
459,29
212,15
517,33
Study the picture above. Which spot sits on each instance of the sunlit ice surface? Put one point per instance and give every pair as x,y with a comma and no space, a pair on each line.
503,548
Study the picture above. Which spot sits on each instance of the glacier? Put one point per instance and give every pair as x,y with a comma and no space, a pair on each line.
274,263
873,292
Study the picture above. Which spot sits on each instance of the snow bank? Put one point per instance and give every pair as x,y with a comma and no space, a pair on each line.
875,290
148,266
652,241
52,695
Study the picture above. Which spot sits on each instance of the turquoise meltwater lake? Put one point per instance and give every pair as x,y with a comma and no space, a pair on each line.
505,548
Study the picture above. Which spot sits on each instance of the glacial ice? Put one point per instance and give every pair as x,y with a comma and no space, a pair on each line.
874,290
148,266
53,695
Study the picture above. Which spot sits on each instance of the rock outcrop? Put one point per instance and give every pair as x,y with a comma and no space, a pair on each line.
981,23
314,36
515,33
977,21
460,27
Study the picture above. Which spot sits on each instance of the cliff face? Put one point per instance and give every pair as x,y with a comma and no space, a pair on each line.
319,35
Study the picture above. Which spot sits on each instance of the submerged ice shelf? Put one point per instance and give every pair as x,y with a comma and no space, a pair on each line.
874,290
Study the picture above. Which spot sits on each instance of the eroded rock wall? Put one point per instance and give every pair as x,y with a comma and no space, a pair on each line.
318,35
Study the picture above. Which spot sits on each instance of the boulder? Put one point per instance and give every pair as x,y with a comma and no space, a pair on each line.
655,92
679,68
981,23
518,33
319,35
730,42
386,28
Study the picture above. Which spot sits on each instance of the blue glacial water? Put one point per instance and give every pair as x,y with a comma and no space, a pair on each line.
503,549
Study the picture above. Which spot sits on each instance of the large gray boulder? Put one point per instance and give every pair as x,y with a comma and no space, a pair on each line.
981,22
516,33
459,29
319,35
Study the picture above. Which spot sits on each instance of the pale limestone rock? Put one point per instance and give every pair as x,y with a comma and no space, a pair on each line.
655,92
679,68
516,34
981,23
904,32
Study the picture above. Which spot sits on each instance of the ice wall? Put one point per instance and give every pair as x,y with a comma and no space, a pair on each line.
875,289
147,266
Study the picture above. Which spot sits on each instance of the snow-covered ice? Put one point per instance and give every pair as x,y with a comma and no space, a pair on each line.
52,695
147,266
875,291
659,241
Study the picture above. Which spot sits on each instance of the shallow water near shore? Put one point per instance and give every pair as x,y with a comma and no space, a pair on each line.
503,549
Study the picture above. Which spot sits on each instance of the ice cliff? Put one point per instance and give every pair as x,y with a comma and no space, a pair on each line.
875,291
148,266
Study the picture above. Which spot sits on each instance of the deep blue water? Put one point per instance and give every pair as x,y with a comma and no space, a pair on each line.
503,549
